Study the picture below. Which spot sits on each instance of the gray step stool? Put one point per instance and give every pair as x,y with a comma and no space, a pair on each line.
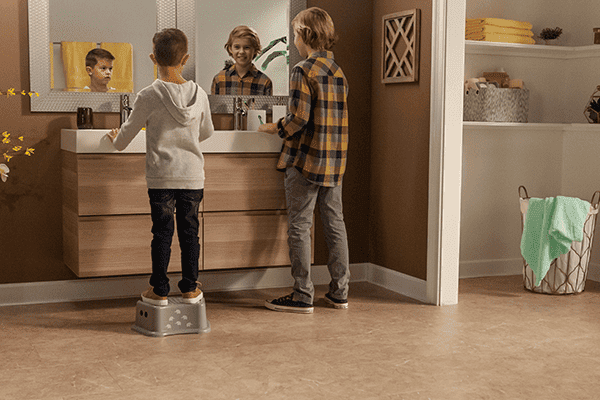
173,319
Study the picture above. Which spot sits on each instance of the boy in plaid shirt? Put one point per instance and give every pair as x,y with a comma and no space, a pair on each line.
313,156
242,78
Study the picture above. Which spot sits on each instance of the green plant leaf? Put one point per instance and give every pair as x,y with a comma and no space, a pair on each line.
271,57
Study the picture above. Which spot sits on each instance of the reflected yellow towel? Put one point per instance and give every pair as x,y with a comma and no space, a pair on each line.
499,30
73,55
474,22
122,76
501,38
51,65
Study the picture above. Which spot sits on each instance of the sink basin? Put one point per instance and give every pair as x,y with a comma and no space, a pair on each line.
95,141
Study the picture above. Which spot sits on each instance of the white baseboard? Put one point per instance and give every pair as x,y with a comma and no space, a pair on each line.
212,281
499,267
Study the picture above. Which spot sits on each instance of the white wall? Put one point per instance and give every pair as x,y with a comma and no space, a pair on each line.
548,159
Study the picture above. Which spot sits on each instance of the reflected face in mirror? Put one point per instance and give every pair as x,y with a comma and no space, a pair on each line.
243,53
99,66
242,78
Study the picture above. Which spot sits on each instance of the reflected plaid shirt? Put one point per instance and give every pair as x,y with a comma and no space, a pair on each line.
254,83
316,127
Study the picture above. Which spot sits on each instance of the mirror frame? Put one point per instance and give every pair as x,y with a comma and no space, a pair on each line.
170,13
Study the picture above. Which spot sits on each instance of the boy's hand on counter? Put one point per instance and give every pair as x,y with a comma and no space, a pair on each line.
268,128
113,134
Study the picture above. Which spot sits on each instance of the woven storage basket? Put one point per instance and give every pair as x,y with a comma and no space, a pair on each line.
567,273
491,104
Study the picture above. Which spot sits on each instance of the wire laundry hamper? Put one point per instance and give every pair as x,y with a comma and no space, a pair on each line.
567,273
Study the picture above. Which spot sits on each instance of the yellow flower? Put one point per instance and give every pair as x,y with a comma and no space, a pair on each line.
11,92
4,172
7,157
29,151
23,93
17,148
21,138
6,135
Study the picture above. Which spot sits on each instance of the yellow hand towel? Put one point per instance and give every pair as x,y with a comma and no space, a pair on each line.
473,22
501,38
51,65
122,76
498,30
73,55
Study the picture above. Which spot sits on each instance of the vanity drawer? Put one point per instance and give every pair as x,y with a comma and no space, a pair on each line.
242,182
112,245
245,239
105,184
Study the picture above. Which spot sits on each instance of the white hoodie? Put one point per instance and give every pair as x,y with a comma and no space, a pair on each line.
177,118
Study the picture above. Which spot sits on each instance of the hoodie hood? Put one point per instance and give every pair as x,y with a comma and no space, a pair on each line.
181,100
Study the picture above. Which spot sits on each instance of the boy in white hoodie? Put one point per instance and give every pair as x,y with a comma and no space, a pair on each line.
177,117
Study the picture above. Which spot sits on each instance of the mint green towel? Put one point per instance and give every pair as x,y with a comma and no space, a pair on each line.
550,226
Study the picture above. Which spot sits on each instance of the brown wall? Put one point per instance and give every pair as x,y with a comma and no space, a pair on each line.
30,201
400,154
352,19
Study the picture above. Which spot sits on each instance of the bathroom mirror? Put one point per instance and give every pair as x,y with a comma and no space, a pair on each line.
156,15
100,27
269,18
209,23
97,22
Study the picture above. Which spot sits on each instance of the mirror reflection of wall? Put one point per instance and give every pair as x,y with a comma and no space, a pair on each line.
214,22
109,25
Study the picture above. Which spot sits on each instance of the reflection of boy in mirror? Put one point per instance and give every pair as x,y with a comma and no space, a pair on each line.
99,65
242,78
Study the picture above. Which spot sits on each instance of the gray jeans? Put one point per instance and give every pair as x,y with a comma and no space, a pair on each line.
302,196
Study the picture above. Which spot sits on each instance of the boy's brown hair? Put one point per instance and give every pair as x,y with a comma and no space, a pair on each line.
315,28
92,57
170,46
246,32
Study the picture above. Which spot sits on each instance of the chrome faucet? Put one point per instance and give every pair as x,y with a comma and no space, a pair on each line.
238,114
124,108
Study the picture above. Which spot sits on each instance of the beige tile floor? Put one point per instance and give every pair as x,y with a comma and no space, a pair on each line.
499,342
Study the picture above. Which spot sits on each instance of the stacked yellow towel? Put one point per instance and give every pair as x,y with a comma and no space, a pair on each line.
499,30
122,76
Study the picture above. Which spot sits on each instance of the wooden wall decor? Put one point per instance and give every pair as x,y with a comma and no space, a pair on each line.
401,35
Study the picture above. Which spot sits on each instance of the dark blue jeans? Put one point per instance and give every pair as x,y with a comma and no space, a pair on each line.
163,204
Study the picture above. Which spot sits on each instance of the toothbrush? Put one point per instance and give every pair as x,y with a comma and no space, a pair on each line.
260,119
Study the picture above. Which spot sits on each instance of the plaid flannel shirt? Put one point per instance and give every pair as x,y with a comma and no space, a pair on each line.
254,83
315,130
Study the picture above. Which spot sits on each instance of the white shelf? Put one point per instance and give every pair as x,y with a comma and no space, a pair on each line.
474,126
531,50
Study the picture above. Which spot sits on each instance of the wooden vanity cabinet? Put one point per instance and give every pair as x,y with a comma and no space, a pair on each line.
107,224
106,215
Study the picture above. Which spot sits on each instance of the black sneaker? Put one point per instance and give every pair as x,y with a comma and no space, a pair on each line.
287,304
335,302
